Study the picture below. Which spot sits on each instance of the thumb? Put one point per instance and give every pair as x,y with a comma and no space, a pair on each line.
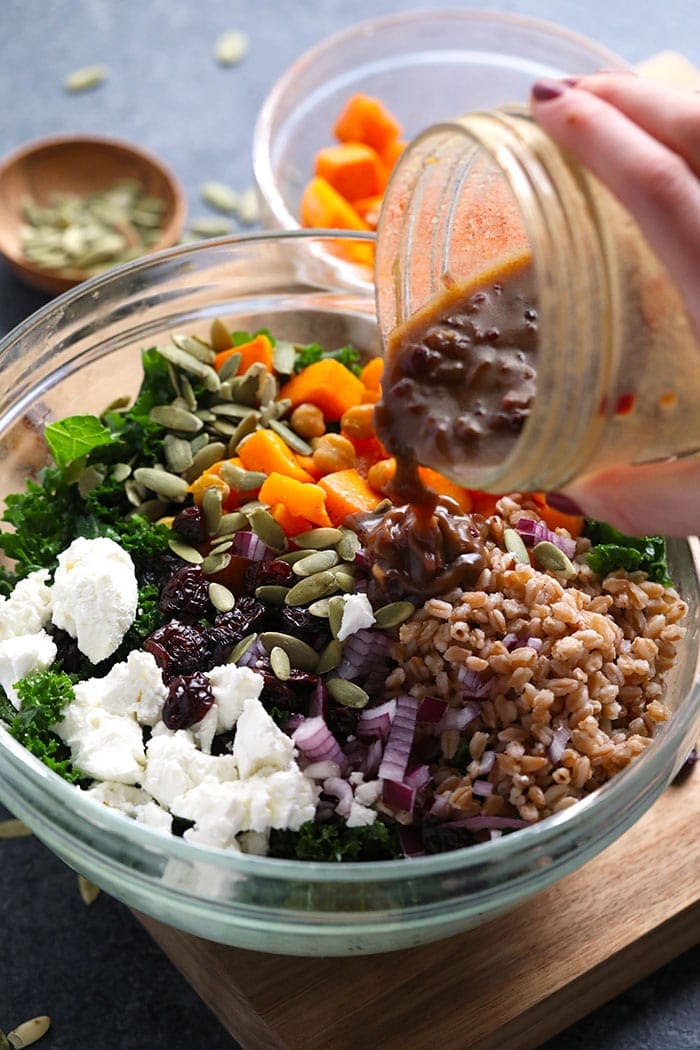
652,499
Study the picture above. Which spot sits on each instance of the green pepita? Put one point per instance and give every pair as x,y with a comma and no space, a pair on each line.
240,648
292,557
284,357
178,454
220,336
231,523
320,585
185,551
317,539
204,458
211,509
196,347
221,597
175,419
320,608
513,542
242,480
267,529
272,593
300,654
280,663
30,1032
246,427
336,608
214,563
290,438
348,545
230,366
393,614
549,557
315,561
347,693
330,657
90,478
121,471
220,197
162,481
207,226
85,78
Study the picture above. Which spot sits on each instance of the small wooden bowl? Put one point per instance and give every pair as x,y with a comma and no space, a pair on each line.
81,165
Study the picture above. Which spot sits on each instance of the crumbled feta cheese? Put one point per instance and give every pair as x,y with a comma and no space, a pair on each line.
360,816
174,765
259,744
95,595
132,801
204,731
231,687
23,655
357,613
28,608
367,794
154,817
133,687
356,777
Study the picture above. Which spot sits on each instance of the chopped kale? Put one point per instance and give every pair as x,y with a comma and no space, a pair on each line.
309,355
44,518
613,550
337,842
42,698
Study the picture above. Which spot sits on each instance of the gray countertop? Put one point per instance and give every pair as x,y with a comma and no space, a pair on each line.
105,984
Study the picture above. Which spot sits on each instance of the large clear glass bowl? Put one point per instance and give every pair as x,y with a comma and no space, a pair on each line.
76,355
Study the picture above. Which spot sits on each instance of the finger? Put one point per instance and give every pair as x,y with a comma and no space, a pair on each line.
666,113
650,180
653,499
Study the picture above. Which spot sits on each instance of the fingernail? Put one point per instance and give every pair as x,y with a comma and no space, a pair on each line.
571,81
546,90
610,70
558,501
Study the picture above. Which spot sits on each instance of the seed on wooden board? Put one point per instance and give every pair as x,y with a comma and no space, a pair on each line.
320,608
196,347
301,654
549,557
84,78
230,366
162,481
267,529
214,563
220,197
284,357
280,663
220,336
240,648
211,509
347,693
88,891
291,439
231,47
393,614
330,657
318,539
204,458
14,829
320,585
178,454
513,543
28,1033
336,607
185,551
315,561
272,593
175,419
221,597
231,523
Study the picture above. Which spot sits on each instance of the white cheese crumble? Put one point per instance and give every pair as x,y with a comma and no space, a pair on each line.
260,746
95,595
134,802
175,765
23,655
28,608
357,614
231,687
360,816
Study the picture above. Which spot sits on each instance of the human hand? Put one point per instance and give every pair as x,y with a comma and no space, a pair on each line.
642,140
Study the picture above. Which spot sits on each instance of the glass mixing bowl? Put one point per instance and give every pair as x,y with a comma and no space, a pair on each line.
79,353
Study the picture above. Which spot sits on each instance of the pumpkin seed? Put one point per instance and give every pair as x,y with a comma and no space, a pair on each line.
204,458
300,654
242,480
320,585
347,693
247,388
513,543
345,582
121,471
220,336
84,78
88,891
231,47
315,561
284,357
198,442
248,211
330,657
134,492
280,663
225,544
246,426
317,539
240,648
185,551
13,829
29,1032
320,608
393,614
272,593
174,377
549,557
220,197
290,438
230,366
348,545
161,481
268,389
336,608
89,480
178,454
214,563
211,509
225,427
292,557
221,597
231,408
233,522
248,508
153,509
175,418
188,394
210,227
196,347
191,364
266,528
117,405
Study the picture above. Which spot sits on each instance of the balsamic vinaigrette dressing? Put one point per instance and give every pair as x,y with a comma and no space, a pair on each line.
460,378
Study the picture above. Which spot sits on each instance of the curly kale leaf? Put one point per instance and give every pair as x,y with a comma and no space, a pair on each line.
309,355
613,550
45,517
42,698
337,842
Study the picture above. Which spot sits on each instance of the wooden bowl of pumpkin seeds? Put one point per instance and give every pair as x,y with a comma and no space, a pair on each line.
72,207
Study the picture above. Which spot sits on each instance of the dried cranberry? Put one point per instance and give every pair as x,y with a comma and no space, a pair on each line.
231,627
158,570
277,573
276,693
302,624
181,648
190,525
189,699
186,595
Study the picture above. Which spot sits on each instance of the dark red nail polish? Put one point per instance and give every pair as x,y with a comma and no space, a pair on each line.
558,501
571,81
546,90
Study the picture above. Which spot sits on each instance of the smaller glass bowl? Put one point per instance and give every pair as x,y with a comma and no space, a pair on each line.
425,66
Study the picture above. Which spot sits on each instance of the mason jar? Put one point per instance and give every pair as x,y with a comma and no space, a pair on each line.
617,366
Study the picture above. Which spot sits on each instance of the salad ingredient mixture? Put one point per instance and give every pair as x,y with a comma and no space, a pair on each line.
219,624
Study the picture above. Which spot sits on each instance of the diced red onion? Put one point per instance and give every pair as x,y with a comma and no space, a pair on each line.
248,545
518,641
535,643
373,757
485,823
293,722
398,796
342,791
398,746
418,778
376,721
318,701
431,709
560,738
364,651
317,744
533,532
361,560
440,805
487,760
483,788
472,683
411,841
459,717
322,770
252,654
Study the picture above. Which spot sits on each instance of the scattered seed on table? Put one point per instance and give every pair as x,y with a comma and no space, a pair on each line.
231,47
220,197
13,829
88,891
84,78
248,211
208,226
27,1033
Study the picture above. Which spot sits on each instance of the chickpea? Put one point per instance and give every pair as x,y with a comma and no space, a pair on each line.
333,452
358,422
380,474
307,420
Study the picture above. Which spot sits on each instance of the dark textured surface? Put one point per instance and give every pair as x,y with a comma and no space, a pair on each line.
101,979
